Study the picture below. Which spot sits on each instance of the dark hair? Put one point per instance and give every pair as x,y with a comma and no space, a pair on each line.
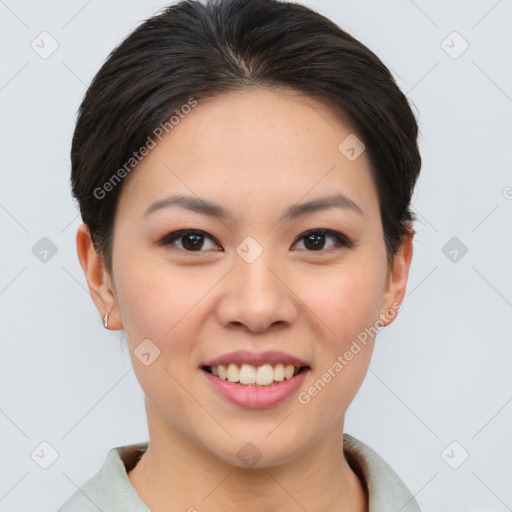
195,50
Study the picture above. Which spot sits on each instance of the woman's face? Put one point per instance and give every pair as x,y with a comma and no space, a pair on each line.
260,284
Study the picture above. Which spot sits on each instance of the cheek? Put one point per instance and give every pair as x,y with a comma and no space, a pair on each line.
154,298
346,302
347,306
162,305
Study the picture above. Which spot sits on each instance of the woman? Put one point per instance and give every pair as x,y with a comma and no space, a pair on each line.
244,171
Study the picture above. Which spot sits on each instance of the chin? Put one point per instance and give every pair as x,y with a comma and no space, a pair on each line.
259,451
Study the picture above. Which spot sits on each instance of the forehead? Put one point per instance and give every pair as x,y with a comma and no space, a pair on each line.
254,146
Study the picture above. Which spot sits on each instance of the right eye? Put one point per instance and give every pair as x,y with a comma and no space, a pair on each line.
191,240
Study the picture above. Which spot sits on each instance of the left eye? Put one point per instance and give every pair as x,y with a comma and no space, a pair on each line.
316,239
194,241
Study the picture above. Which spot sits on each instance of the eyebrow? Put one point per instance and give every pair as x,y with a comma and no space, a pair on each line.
215,210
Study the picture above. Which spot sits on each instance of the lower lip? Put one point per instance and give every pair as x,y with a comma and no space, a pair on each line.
252,397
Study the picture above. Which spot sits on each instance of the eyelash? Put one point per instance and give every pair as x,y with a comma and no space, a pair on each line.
341,241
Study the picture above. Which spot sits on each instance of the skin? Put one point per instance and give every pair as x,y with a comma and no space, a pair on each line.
255,153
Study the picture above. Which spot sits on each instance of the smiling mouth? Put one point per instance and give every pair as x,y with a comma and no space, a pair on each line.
248,375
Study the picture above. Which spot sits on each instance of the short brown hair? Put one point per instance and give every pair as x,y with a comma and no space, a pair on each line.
195,49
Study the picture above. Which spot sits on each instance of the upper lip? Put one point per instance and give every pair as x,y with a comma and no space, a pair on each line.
256,359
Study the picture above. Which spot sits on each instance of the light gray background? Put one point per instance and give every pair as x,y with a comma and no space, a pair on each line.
440,373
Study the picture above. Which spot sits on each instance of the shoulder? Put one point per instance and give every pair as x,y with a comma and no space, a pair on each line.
83,499
110,488
386,491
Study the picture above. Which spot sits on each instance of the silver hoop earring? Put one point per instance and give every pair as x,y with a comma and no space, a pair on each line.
105,321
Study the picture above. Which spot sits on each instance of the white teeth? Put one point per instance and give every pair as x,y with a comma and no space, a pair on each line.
288,371
233,373
247,374
223,374
279,372
264,375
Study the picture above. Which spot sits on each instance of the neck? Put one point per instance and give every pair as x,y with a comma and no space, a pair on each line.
176,474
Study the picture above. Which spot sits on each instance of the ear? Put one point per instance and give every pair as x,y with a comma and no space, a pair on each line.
98,279
396,282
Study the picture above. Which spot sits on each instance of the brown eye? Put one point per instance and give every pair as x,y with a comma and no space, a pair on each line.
191,241
316,240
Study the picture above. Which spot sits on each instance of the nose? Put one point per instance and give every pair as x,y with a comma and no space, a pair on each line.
256,296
